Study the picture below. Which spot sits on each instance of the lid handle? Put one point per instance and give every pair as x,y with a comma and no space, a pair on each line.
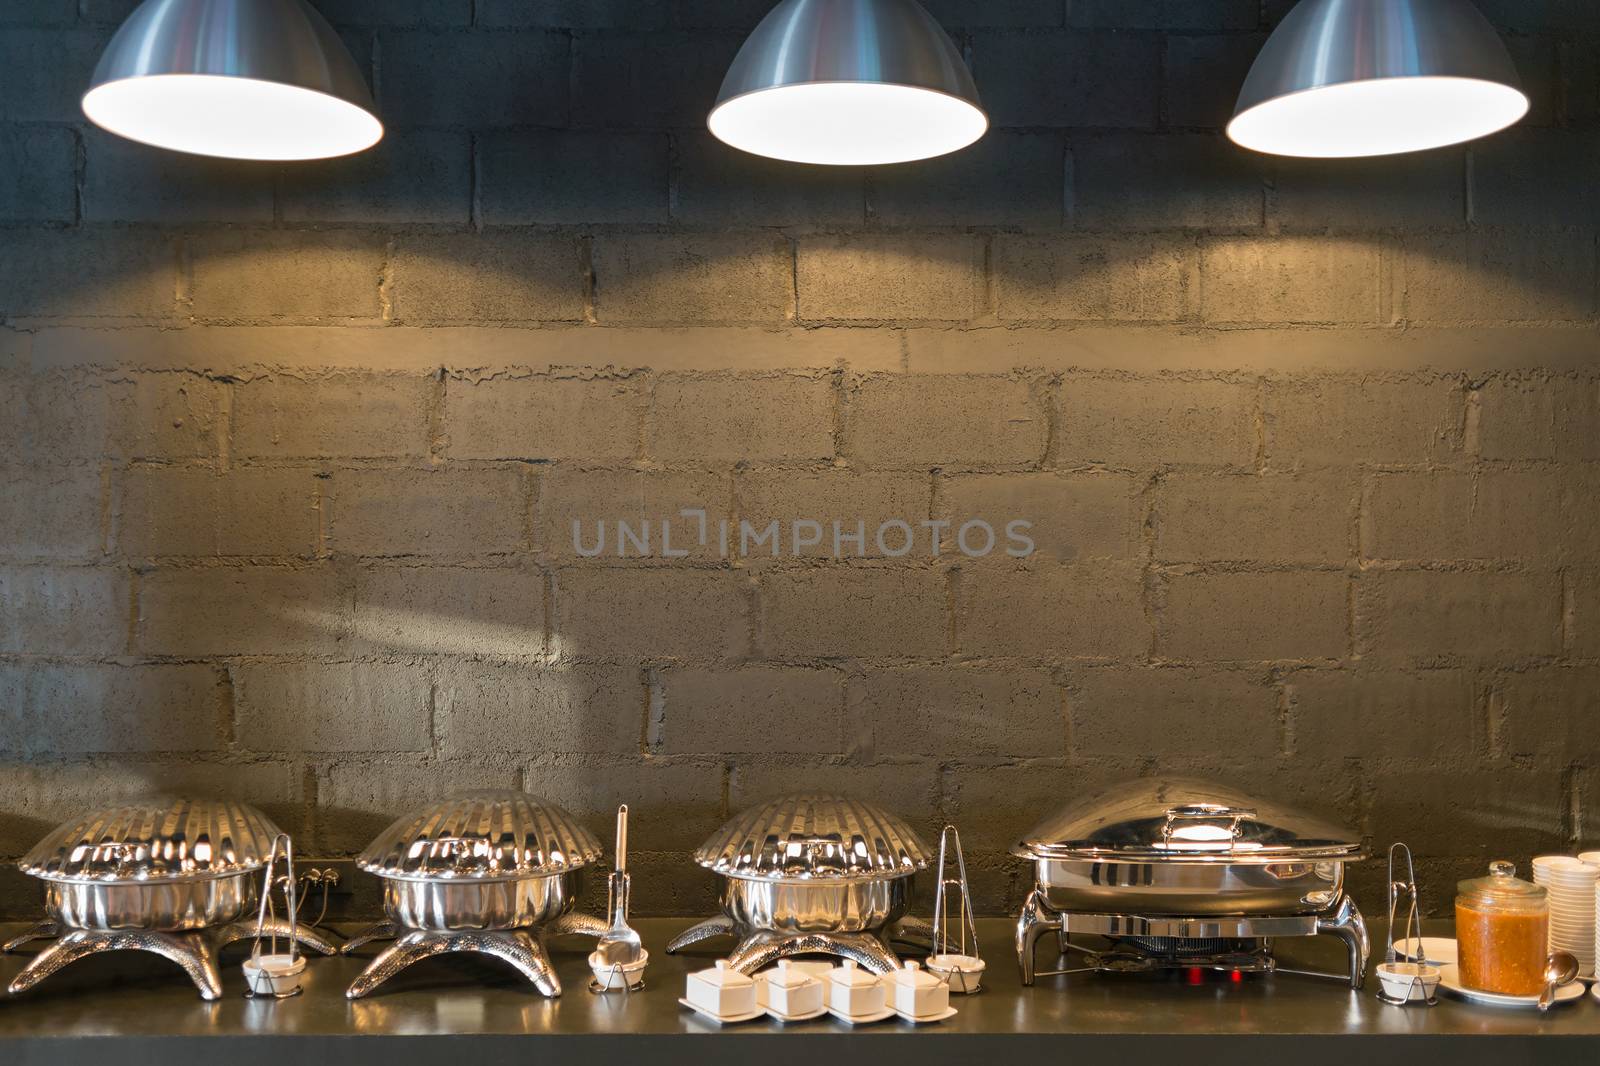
1208,813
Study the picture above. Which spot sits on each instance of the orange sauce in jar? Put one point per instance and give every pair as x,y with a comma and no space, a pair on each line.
1502,951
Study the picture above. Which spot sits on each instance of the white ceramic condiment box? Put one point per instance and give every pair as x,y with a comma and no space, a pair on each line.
790,991
917,993
854,991
721,991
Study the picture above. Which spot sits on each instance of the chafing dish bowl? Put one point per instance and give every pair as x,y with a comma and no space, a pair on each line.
811,873
173,877
1177,853
487,872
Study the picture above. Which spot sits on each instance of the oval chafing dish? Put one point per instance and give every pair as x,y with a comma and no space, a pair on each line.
1189,859
811,873
488,872
174,877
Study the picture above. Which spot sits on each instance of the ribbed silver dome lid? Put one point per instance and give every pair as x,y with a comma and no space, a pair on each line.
156,841
1178,819
814,836
487,836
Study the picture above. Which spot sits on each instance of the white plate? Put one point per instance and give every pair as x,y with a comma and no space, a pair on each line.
1450,981
731,1019
1438,950
806,1017
925,1019
862,1019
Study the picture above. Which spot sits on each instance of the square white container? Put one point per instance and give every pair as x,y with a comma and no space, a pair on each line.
854,991
917,992
790,990
721,991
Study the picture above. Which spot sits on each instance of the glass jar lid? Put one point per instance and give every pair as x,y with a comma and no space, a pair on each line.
1503,889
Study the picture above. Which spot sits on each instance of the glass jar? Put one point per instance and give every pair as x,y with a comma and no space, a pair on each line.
1502,932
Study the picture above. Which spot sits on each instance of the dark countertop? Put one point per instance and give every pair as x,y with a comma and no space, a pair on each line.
130,1009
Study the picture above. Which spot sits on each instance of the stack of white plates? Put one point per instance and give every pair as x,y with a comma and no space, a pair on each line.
1574,886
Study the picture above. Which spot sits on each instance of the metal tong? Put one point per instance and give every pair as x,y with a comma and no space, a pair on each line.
941,912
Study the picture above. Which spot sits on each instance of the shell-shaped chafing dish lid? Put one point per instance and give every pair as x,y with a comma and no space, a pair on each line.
158,841
481,836
1170,819
814,836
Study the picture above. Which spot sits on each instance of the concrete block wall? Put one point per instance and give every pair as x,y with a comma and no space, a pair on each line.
290,454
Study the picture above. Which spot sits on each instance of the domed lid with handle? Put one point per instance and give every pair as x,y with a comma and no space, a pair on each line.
814,836
1181,820
486,836
160,840
1502,890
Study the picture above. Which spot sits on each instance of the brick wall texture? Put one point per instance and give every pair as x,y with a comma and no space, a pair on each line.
290,454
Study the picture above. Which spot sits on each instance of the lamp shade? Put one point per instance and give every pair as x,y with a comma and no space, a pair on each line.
1341,78
848,82
244,79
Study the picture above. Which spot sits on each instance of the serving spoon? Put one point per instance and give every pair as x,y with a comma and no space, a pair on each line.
1561,967
619,945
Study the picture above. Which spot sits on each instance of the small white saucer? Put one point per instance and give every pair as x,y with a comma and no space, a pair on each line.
806,1017
731,1019
1450,981
862,1019
928,1019
1439,950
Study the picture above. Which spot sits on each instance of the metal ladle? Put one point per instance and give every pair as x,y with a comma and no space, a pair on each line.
1560,968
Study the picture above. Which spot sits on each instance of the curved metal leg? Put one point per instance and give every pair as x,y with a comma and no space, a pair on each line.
575,924
1030,927
721,925
189,950
378,931
411,948
522,950
246,930
44,930
913,931
763,949
1348,925
515,946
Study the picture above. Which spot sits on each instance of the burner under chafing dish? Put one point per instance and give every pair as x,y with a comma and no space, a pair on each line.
1178,947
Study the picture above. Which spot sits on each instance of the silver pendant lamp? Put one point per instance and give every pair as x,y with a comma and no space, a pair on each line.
848,82
244,79
1342,78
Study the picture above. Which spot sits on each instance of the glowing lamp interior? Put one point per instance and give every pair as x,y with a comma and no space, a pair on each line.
237,118
848,123
1383,116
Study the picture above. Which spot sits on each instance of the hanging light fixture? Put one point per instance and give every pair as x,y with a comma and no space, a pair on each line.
1343,78
244,79
848,82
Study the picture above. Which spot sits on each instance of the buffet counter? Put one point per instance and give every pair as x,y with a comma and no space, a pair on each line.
130,1010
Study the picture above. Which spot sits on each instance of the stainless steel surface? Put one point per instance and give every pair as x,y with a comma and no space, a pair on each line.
164,906
815,907
168,840
284,41
810,873
1194,889
482,836
888,41
619,945
1323,43
195,951
447,906
814,836
1180,820
1175,858
444,1014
